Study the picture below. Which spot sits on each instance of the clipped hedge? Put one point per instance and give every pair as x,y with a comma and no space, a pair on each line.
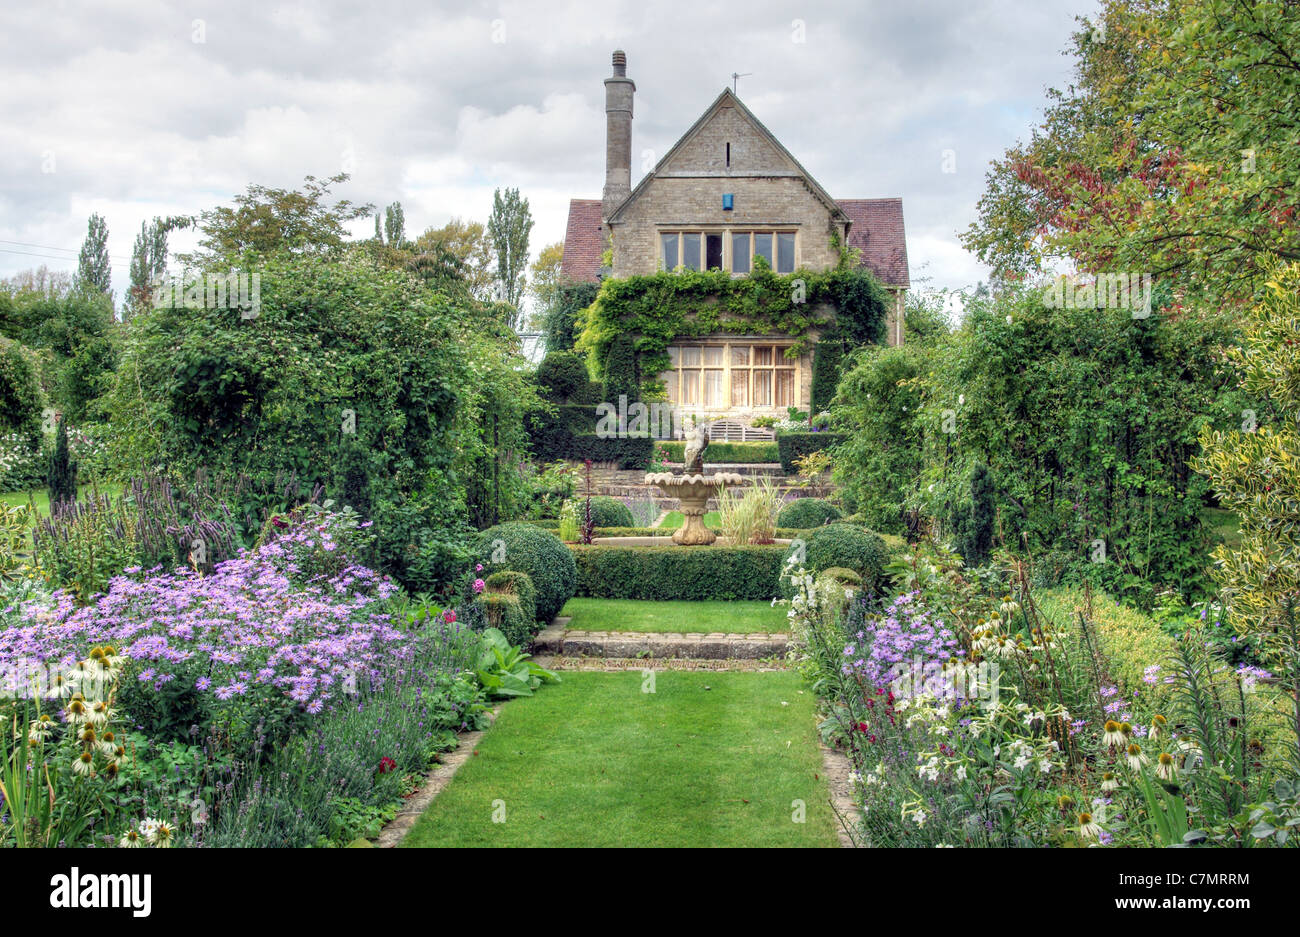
506,613
791,446
806,513
847,546
675,451
606,512
516,583
674,572
540,554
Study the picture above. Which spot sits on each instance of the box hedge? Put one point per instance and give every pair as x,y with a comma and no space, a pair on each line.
674,572
516,583
847,546
505,613
807,513
605,512
750,452
792,446
540,554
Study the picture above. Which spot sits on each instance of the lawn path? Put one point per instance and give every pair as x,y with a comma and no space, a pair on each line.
706,759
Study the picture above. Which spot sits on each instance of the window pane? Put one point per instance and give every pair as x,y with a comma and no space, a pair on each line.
763,247
674,355
670,385
691,356
784,387
669,242
713,355
713,252
690,387
762,388
740,253
785,252
739,387
763,355
713,388
691,251
739,355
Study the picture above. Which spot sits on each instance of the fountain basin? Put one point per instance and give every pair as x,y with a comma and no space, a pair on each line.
693,493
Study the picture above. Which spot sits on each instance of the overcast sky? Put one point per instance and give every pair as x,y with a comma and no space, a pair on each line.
136,109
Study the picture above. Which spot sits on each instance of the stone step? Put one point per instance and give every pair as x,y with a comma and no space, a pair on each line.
559,640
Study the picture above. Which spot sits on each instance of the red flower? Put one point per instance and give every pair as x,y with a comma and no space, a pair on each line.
387,765
862,727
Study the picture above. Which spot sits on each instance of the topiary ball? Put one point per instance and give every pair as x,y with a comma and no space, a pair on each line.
846,546
504,613
520,585
562,375
605,512
540,554
806,513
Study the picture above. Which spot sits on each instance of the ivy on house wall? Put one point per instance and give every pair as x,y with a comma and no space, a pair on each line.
655,309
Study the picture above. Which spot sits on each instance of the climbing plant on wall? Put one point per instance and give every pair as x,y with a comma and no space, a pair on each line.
657,308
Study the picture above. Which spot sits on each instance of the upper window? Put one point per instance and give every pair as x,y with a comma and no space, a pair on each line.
728,250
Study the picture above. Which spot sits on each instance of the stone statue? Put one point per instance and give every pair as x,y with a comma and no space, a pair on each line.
695,446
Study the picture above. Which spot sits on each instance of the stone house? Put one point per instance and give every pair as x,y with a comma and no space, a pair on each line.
726,192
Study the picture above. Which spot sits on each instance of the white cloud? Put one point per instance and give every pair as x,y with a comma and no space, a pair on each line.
427,108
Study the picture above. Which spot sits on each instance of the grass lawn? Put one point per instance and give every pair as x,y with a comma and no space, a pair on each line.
708,759
1226,525
41,496
675,519
680,617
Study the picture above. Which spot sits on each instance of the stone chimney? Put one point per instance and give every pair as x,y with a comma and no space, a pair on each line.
618,136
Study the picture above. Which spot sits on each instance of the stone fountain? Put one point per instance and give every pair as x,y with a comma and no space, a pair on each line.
693,489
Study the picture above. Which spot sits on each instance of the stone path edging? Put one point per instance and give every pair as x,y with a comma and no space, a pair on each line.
559,641
838,770
434,784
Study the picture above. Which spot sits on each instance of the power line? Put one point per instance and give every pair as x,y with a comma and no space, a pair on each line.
7,250
50,247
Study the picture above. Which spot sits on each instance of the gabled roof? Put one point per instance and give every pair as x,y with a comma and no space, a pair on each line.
877,231
584,241
727,99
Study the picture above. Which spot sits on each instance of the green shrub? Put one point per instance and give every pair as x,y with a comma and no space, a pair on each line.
793,446
506,613
847,546
62,476
751,452
516,583
562,378
20,393
806,513
674,572
845,577
540,554
605,512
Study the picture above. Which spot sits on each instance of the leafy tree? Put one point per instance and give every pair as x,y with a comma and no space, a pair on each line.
62,475
1172,153
21,399
265,221
1255,469
149,258
393,231
40,280
72,333
458,250
544,287
509,227
924,319
94,272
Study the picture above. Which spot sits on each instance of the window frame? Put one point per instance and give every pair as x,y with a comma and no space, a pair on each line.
757,376
729,235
